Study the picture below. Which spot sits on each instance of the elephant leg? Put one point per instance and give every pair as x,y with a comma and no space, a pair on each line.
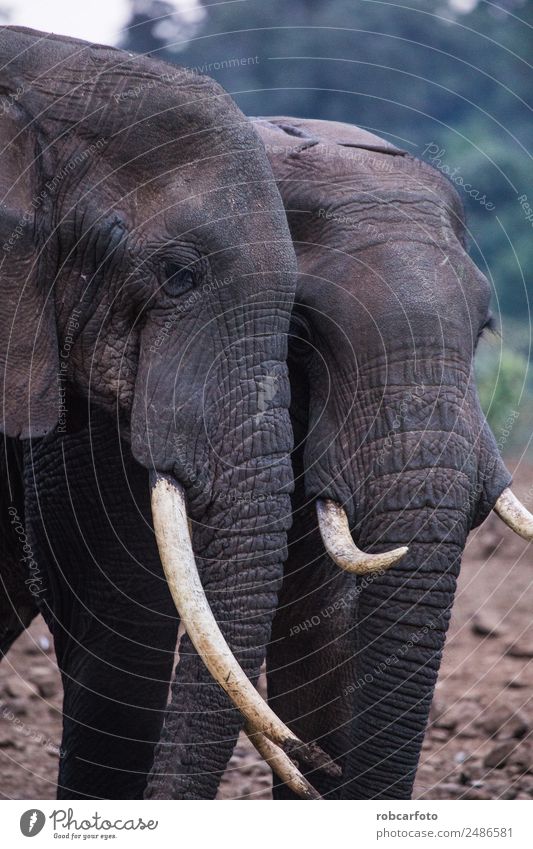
310,658
107,604
115,691
18,592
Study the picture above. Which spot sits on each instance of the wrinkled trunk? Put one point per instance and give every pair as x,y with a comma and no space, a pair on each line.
402,621
239,540
241,573
403,614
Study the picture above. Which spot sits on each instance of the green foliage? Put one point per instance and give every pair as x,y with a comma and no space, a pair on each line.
506,394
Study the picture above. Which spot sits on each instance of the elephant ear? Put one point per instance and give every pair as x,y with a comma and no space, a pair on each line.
29,361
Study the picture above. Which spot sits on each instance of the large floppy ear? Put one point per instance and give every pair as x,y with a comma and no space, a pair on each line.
29,386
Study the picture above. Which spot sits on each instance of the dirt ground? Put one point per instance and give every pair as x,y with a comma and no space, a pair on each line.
480,741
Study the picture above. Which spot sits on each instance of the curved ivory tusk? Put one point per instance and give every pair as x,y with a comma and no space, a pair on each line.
282,765
514,514
337,539
175,550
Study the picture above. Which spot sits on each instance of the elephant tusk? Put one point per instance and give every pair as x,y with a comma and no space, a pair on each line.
514,514
337,539
169,513
282,765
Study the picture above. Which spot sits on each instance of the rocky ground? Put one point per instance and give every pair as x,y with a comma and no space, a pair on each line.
480,741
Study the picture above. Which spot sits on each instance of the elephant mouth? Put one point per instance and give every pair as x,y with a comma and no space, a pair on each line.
271,737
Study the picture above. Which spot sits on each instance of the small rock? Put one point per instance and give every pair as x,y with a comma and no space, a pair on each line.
521,758
514,769
520,682
248,769
440,735
498,755
501,790
487,624
6,739
39,646
9,740
463,713
472,772
17,706
445,716
475,793
445,791
467,733
47,688
19,688
523,647
45,680
504,723
39,670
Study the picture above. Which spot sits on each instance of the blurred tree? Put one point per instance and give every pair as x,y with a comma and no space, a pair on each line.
451,73
159,26
501,377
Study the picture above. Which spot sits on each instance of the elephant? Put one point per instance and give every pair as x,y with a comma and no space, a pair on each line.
392,449
147,278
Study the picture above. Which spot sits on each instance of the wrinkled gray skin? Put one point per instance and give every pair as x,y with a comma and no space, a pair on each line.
154,273
387,423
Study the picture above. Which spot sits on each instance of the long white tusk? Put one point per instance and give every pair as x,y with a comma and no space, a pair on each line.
282,765
337,539
175,550
514,514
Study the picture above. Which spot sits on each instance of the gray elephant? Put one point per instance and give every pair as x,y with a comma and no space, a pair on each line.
147,280
390,444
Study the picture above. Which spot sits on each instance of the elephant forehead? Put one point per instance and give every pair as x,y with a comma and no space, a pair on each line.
305,132
393,294
101,91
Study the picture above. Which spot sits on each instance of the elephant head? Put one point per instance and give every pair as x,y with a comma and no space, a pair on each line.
147,268
391,447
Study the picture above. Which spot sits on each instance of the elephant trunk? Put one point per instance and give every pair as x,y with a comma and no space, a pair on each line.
227,607
402,620
404,612
240,569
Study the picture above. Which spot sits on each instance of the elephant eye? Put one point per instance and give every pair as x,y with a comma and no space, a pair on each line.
489,326
178,280
300,337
